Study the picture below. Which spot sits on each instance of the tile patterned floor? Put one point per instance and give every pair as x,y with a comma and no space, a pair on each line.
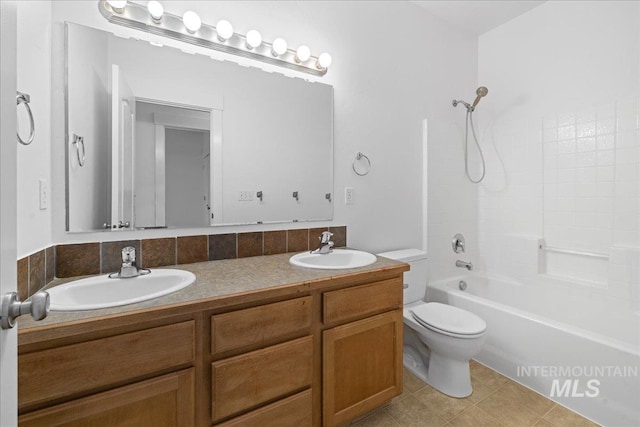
496,402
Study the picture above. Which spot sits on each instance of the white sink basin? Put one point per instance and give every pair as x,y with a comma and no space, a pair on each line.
102,292
338,259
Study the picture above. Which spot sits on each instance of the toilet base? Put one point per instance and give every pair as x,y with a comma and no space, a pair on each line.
442,361
414,364
449,377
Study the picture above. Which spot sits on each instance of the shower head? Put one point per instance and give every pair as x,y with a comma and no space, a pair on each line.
481,92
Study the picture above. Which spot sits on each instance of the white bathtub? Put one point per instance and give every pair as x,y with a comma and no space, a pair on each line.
569,343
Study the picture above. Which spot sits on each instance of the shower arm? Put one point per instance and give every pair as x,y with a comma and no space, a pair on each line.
470,108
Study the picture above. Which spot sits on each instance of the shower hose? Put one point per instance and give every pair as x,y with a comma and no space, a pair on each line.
466,150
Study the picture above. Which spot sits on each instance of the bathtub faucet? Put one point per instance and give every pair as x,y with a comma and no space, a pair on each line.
462,264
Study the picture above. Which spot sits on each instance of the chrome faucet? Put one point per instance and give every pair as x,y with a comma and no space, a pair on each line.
462,264
325,243
129,268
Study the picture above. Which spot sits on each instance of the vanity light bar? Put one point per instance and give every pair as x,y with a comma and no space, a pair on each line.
133,15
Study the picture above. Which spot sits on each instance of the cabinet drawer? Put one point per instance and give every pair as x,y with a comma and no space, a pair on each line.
244,382
358,301
163,401
264,324
294,411
84,367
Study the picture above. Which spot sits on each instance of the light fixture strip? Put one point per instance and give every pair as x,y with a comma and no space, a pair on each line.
137,17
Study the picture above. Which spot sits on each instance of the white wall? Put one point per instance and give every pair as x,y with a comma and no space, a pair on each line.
560,129
144,179
88,104
452,200
384,87
34,70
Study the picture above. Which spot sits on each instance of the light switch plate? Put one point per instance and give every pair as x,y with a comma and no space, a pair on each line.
349,195
245,196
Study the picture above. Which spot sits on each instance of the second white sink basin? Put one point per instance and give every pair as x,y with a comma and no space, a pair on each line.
338,259
102,292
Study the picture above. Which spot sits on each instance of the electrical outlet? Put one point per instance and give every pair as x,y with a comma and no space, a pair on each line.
44,194
349,195
245,196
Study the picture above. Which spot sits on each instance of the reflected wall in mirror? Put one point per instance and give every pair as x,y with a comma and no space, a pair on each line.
172,139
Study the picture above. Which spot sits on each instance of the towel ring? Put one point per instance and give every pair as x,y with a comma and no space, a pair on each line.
360,156
24,98
79,140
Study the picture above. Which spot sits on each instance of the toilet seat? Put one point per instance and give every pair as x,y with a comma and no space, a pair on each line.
448,320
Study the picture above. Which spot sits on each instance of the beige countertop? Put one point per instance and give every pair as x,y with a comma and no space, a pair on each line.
223,282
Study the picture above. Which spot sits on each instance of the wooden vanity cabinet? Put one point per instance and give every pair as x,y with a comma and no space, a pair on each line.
277,368
358,349
362,359
312,355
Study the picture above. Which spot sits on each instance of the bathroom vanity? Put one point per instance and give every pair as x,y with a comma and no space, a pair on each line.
254,341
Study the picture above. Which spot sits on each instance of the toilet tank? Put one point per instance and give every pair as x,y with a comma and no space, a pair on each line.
415,280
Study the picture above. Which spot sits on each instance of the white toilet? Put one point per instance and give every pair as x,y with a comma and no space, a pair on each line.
452,335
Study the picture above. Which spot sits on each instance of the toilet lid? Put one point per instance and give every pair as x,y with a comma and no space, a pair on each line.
448,318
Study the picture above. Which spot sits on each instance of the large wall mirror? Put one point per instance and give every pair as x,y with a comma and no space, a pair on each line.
160,138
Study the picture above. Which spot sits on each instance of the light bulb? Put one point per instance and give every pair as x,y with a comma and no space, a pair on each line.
254,39
279,47
303,54
191,21
224,30
117,5
324,61
155,10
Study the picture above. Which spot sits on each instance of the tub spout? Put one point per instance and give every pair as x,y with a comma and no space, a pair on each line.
462,264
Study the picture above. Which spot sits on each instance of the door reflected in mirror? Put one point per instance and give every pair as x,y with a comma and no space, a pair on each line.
180,140
172,174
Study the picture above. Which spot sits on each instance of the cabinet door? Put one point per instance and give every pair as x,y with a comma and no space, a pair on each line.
166,401
362,366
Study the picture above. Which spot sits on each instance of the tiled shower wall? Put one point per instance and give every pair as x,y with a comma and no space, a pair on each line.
560,132
591,189
591,162
570,179
40,268
510,199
